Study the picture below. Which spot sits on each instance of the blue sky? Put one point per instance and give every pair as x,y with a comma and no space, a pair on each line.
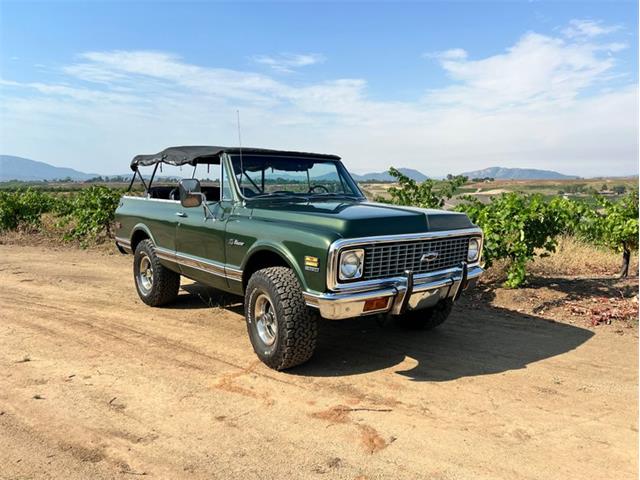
441,87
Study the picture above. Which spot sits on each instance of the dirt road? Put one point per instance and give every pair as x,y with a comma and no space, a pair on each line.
95,384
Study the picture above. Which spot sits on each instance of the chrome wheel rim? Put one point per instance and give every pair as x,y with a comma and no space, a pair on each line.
266,323
145,273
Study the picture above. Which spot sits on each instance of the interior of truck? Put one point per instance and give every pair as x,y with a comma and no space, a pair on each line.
170,192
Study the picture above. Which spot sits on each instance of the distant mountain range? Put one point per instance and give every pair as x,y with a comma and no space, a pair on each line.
19,168
501,173
385,177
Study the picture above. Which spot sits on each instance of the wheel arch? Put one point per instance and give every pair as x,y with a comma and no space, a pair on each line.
266,255
139,233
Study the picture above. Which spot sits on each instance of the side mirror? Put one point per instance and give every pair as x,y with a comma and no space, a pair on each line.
190,195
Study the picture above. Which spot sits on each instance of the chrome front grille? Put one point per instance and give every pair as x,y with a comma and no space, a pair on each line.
393,259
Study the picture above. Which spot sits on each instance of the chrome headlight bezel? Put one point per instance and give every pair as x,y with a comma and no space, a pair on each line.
474,250
351,264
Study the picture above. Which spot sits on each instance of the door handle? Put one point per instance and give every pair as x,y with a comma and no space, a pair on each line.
181,214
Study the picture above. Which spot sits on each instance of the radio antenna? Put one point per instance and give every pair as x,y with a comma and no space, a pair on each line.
240,148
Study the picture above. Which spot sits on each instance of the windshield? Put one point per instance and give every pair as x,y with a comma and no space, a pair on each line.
271,175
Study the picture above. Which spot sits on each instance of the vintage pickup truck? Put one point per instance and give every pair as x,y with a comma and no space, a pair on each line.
293,233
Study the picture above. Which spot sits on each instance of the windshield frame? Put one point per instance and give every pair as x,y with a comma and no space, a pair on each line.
341,169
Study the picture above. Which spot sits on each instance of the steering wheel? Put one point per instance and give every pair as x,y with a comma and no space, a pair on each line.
313,188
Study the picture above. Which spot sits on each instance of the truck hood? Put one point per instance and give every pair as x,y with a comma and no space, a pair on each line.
360,219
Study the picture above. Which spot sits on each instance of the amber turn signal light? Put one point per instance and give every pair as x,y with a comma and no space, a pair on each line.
372,304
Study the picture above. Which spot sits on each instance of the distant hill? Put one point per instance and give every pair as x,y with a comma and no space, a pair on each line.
19,168
25,169
501,173
385,177
366,177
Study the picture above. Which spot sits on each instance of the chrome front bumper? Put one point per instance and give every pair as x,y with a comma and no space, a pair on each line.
412,292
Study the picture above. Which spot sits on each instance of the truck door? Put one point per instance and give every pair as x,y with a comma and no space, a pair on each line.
200,237
200,246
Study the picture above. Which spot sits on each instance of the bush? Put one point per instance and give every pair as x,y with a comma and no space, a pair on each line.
614,225
90,212
86,213
24,207
515,226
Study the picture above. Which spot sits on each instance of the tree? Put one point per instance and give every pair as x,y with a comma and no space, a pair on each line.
427,194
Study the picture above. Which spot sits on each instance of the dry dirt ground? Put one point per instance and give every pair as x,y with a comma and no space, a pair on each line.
94,384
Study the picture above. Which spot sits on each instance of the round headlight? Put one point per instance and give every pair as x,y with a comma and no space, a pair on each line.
474,250
351,264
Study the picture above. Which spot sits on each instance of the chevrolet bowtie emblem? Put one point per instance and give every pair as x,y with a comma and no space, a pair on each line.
429,257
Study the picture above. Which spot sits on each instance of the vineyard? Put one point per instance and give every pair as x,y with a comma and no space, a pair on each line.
85,215
518,226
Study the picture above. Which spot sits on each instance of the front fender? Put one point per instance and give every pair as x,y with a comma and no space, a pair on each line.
247,236
278,249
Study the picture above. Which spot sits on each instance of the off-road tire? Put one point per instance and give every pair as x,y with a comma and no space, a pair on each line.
297,325
165,282
426,319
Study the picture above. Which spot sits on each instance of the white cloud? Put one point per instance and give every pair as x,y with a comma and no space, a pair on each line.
287,62
588,29
545,102
537,70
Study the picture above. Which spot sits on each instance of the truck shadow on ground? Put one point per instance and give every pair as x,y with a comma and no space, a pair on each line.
478,339
200,296
474,341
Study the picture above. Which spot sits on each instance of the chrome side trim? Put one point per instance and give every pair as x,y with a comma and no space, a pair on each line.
207,266
232,273
124,243
338,245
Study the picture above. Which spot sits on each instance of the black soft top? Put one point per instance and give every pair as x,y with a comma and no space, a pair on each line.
192,155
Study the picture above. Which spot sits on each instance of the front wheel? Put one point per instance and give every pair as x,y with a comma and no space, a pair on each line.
282,329
426,319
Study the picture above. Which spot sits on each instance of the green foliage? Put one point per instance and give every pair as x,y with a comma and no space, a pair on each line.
519,226
24,207
90,211
515,227
616,224
86,213
576,188
427,194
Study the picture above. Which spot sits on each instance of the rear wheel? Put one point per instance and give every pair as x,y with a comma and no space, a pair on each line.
282,329
426,319
156,284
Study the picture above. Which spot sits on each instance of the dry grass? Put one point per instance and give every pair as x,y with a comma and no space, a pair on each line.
375,190
576,258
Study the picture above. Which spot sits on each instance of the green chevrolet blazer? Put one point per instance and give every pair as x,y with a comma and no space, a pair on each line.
293,233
